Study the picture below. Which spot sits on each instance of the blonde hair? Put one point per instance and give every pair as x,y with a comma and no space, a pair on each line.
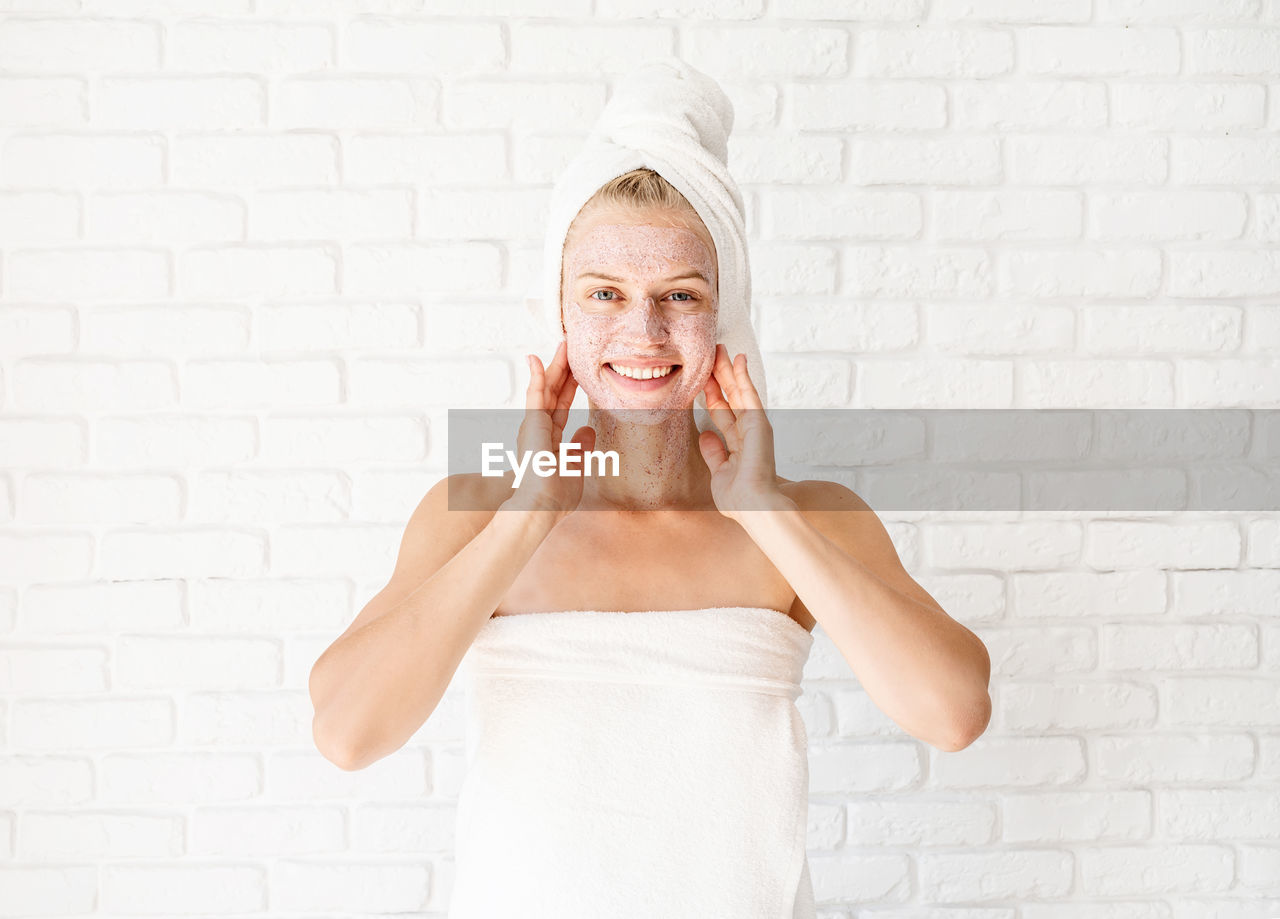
640,188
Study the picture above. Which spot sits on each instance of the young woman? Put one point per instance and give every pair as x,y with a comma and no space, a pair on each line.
637,641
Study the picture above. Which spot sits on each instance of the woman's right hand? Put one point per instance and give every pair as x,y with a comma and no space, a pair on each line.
546,411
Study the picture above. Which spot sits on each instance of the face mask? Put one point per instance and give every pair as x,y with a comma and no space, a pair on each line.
643,318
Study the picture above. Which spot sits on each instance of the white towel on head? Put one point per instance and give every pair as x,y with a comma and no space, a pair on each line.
673,119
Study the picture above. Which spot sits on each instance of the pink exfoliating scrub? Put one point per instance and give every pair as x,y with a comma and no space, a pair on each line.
641,318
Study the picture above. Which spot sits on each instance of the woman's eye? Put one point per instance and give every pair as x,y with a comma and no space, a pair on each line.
680,296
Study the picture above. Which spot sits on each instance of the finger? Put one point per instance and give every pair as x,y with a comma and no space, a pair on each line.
564,398
718,409
563,377
553,377
725,377
712,450
533,395
557,369
560,414
585,435
746,389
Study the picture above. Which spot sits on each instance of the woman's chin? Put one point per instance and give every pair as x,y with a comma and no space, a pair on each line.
640,410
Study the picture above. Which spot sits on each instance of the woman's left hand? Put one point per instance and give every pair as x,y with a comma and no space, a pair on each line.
743,477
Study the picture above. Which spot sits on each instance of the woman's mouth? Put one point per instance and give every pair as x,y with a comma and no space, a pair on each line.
640,379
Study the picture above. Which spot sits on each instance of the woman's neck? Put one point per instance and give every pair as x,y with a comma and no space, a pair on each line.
660,465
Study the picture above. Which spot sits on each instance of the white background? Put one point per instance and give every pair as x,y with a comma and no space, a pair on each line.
251,251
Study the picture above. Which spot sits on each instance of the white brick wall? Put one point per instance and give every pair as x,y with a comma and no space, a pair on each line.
251,250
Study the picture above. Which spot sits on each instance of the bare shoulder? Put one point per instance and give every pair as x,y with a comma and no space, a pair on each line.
464,501
862,535
817,495
447,517
827,505
473,491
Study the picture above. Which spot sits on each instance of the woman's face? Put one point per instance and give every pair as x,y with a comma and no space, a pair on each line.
639,295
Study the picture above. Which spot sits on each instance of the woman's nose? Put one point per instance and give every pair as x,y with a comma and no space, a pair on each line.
646,319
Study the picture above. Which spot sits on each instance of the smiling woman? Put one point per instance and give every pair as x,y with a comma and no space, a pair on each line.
637,601
634,643
659,309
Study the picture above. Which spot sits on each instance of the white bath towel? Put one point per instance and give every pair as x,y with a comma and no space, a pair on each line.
676,120
646,764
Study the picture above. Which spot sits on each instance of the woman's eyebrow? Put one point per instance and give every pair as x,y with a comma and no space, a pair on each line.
675,277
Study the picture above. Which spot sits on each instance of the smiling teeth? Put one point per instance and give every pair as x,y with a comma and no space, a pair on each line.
637,373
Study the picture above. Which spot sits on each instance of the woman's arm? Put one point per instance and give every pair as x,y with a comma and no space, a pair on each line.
922,668
919,666
381,679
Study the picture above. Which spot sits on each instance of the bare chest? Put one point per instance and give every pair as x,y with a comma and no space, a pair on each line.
593,562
